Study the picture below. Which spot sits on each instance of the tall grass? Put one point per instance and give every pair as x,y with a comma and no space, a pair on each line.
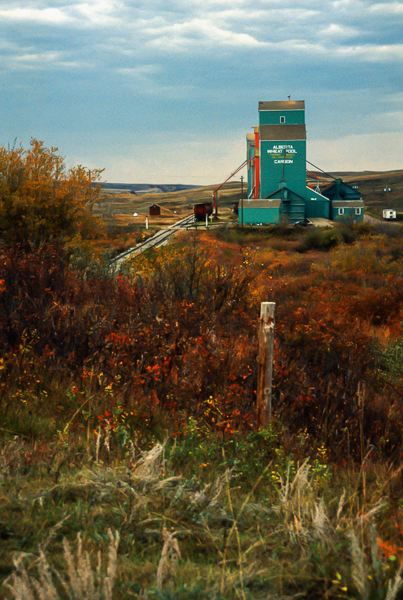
149,530
83,581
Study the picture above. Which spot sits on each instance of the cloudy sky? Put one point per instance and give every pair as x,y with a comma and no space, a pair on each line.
165,90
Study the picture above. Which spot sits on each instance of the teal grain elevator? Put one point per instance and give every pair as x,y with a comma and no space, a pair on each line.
277,181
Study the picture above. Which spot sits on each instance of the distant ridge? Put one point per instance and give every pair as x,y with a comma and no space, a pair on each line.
147,187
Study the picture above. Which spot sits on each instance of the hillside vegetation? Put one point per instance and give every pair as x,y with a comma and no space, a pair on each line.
130,463
98,370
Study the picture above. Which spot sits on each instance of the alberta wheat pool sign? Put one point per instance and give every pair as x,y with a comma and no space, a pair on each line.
282,153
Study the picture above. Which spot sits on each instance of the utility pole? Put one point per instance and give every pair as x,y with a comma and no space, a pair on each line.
387,190
242,201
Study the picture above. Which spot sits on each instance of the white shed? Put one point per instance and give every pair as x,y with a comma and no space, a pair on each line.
388,213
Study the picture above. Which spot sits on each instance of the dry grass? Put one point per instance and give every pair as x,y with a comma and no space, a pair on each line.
168,564
82,581
291,537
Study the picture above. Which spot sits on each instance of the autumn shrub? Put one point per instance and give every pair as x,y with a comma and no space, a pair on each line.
193,272
328,323
316,239
348,234
319,366
170,343
128,402
159,340
375,256
380,306
389,230
254,234
90,262
328,238
42,200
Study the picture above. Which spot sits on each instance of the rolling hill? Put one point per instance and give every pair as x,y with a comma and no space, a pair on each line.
118,204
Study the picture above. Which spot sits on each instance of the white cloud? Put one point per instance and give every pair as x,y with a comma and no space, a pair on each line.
388,8
140,72
93,12
395,98
351,6
198,25
99,12
394,119
29,60
196,32
40,57
290,16
52,16
373,53
339,30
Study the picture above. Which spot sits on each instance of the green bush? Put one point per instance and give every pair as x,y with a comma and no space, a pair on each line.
317,239
391,360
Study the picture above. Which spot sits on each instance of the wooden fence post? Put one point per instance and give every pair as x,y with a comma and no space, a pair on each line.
265,364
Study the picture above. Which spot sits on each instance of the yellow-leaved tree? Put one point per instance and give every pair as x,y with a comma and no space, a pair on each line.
42,200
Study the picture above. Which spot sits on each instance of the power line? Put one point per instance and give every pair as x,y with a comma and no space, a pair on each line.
321,170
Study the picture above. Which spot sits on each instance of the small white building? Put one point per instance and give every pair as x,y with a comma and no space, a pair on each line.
388,213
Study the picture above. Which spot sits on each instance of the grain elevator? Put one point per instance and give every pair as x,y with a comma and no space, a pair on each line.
277,180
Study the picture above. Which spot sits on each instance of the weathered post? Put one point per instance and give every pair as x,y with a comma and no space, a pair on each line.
265,364
242,201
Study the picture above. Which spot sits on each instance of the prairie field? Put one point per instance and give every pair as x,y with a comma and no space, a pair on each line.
130,461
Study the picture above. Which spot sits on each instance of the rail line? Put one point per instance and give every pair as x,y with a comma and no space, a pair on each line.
159,239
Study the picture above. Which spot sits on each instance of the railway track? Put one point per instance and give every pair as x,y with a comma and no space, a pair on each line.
159,239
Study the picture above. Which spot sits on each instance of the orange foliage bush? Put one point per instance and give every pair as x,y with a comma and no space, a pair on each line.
157,343
176,334
42,200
